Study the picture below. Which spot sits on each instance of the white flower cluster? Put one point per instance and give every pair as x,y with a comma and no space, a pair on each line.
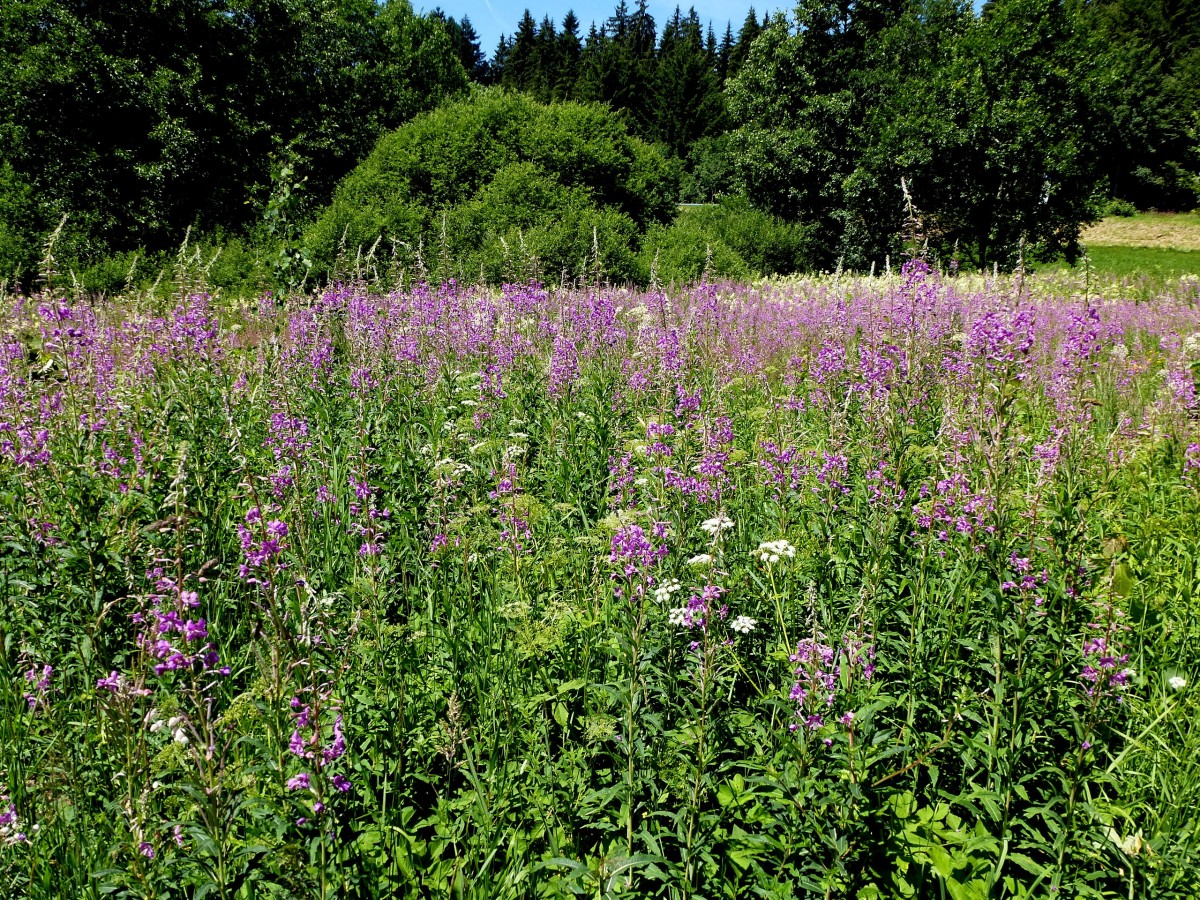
1177,682
716,524
450,468
771,552
1191,346
678,616
743,624
700,559
173,724
663,592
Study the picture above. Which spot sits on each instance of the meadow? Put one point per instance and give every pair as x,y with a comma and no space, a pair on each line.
1142,253
825,588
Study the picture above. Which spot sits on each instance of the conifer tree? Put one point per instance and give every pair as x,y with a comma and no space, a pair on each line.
725,52
750,30
473,58
499,61
520,70
569,52
686,97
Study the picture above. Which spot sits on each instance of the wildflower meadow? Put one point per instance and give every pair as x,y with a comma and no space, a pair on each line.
862,588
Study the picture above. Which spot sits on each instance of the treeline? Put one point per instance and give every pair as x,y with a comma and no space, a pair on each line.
986,137
669,81
1007,127
142,118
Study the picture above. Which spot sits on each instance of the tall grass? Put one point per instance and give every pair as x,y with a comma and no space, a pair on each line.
863,589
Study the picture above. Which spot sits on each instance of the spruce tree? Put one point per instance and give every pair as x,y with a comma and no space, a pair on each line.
725,52
686,101
520,70
750,30
569,52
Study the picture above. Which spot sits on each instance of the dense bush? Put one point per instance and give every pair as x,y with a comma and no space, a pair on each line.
1121,208
709,171
982,117
731,238
18,224
502,184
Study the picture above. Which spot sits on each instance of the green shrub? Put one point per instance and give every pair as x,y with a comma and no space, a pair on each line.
732,238
241,269
499,184
709,171
681,253
18,248
110,274
235,267
1121,208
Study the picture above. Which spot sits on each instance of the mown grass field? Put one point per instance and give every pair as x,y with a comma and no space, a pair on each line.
1147,248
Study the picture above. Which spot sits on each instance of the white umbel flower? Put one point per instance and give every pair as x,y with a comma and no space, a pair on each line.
772,552
743,624
1177,683
663,592
700,559
716,524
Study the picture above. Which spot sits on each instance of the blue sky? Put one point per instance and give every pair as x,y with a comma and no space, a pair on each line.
492,18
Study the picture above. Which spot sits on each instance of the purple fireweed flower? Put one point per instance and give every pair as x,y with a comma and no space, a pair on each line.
287,437
1104,672
1191,460
110,683
260,553
121,687
362,490
632,552
10,824
169,635
298,747
195,630
39,682
564,367
338,746
818,670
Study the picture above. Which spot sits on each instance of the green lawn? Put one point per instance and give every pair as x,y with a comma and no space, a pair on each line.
1152,246
1129,262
